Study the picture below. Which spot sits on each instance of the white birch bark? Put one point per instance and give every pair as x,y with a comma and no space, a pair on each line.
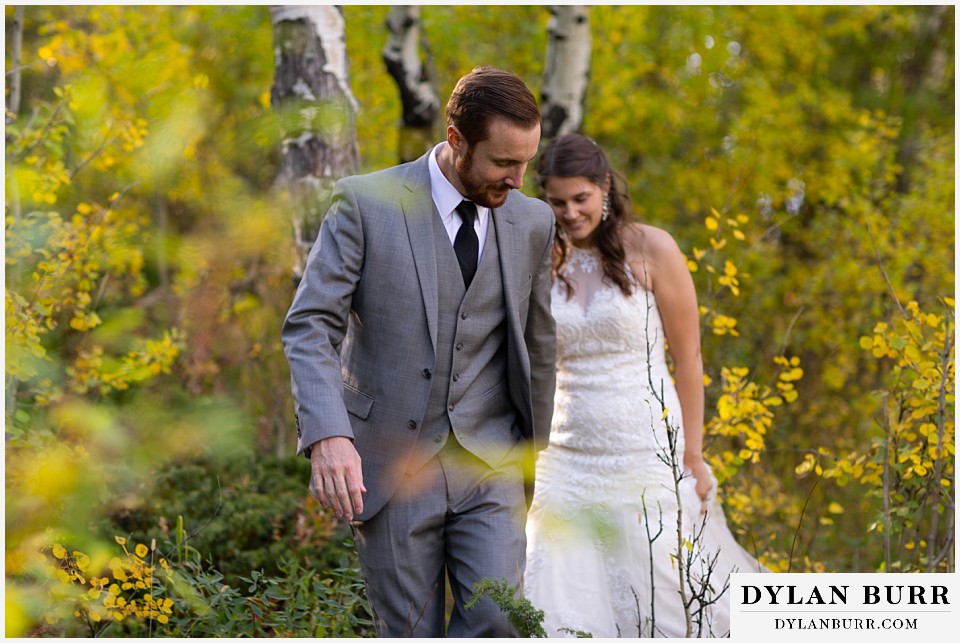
567,71
419,99
317,113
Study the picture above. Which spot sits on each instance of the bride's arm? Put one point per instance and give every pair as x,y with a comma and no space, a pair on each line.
677,300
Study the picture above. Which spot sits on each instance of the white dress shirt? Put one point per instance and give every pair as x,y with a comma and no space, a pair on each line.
447,198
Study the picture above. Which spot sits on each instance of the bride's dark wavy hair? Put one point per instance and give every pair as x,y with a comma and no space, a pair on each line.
571,155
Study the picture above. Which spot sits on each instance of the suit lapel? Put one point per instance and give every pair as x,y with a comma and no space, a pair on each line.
506,231
419,211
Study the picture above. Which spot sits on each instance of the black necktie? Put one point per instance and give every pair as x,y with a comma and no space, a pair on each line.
466,244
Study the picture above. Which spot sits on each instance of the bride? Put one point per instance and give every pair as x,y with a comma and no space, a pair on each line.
625,458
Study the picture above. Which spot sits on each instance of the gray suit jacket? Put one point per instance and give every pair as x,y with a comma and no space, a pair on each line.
360,336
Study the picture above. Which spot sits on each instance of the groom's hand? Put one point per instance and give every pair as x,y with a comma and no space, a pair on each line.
336,476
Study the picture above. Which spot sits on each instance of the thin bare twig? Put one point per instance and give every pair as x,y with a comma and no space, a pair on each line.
796,532
883,270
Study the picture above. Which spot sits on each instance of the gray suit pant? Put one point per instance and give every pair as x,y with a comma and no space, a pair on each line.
455,514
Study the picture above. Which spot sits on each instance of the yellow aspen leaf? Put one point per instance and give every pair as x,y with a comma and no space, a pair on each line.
82,560
866,343
835,508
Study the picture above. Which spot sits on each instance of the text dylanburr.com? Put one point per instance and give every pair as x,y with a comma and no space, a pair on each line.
829,607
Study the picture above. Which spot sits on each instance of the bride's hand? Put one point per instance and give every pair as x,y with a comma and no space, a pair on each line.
704,482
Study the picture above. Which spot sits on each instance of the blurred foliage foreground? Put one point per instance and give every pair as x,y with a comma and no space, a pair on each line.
808,177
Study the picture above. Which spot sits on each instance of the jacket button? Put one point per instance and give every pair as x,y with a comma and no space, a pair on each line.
464,315
438,439
427,374
459,346
450,408
411,425
456,377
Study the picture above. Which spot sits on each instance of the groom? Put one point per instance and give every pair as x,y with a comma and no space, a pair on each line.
422,348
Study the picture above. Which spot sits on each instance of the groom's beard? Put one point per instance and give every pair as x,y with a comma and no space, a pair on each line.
489,195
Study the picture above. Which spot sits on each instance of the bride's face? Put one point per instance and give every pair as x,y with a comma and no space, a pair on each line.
577,204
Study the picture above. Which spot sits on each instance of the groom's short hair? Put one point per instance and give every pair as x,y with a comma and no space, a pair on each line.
487,93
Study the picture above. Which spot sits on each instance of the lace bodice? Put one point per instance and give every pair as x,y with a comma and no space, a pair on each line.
613,382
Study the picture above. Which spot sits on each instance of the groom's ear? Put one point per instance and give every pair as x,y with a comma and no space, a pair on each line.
456,141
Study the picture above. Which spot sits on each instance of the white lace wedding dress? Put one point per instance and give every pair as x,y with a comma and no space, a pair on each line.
603,492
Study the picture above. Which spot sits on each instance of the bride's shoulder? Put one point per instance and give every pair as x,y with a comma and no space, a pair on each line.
648,241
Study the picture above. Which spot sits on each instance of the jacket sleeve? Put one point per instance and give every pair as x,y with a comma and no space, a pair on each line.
316,323
540,336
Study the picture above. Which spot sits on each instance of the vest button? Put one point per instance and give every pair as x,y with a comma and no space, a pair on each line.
459,346
456,377
450,408
427,374
438,438
464,315
412,425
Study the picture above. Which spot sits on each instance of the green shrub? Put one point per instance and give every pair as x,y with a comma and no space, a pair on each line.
246,514
141,594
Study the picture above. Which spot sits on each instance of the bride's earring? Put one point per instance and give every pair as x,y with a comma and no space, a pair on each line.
605,212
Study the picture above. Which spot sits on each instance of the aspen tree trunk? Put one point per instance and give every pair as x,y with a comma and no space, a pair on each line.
317,113
567,71
421,105
13,108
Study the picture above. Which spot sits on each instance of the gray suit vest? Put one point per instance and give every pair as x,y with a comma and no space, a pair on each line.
468,393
